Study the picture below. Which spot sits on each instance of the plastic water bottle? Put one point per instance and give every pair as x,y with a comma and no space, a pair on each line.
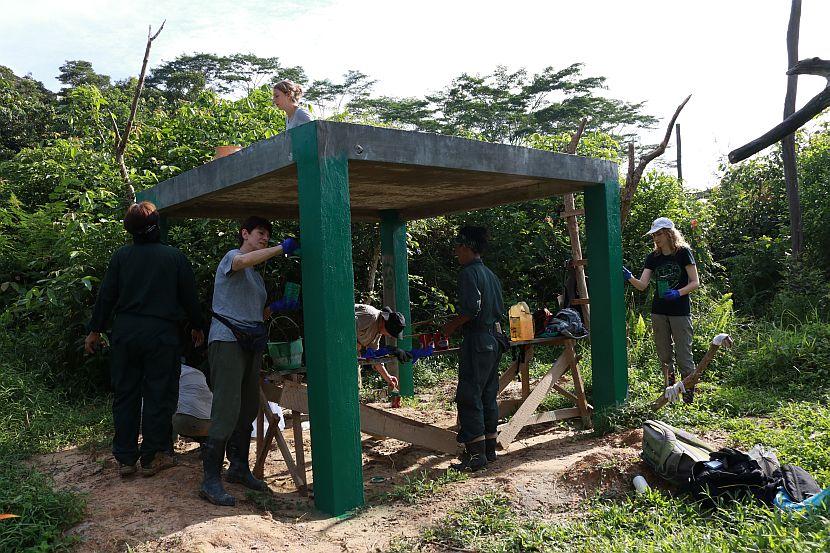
640,484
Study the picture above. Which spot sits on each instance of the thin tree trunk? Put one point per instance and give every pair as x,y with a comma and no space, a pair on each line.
123,138
788,142
679,155
636,173
373,271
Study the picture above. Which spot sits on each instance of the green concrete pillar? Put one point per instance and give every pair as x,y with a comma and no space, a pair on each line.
609,360
328,311
396,286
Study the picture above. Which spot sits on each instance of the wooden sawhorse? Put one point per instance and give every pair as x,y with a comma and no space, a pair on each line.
524,409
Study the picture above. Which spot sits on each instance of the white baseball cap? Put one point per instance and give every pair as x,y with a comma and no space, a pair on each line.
660,223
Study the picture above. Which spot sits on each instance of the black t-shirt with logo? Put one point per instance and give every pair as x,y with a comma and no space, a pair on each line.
669,273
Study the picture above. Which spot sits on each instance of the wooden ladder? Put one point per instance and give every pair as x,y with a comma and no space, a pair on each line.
570,214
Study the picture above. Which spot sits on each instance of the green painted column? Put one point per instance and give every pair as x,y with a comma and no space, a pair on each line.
328,311
396,286
609,363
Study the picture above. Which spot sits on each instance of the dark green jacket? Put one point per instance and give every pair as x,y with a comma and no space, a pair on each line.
151,280
480,297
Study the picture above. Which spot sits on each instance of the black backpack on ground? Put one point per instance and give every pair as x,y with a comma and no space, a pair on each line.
731,473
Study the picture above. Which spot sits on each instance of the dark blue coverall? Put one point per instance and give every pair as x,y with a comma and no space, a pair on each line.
480,297
149,288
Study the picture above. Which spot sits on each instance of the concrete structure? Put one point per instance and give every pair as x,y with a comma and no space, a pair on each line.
328,174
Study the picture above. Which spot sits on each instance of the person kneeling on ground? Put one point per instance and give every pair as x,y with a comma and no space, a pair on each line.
371,324
237,341
479,313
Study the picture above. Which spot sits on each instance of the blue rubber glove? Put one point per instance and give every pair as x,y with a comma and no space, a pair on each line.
627,274
421,353
284,305
289,246
671,295
375,353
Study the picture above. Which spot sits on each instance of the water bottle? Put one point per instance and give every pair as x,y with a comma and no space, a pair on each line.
640,484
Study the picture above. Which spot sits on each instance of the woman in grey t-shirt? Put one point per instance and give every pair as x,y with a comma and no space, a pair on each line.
287,96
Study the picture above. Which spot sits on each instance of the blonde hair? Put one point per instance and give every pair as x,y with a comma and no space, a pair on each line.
290,88
676,240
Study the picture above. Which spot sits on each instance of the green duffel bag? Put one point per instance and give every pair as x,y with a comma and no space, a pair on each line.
672,452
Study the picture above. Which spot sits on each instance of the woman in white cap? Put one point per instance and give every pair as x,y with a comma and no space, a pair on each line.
675,275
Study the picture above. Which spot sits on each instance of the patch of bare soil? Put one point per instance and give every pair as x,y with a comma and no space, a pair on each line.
548,471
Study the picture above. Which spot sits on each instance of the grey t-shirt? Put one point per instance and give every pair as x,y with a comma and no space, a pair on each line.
195,398
367,325
237,295
300,117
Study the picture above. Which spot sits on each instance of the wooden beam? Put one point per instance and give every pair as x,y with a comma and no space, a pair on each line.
528,408
570,212
382,423
507,376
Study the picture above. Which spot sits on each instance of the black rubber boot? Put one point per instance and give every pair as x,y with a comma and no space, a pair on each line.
213,453
474,457
490,449
239,472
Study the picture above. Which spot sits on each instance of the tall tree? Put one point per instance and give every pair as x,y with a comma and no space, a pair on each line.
188,75
26,112
509,106
75,73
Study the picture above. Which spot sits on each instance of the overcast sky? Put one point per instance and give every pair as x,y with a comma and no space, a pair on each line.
730,54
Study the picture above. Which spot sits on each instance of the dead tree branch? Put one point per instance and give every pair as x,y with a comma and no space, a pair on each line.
819,102
788,142
124,137
576,136
636,173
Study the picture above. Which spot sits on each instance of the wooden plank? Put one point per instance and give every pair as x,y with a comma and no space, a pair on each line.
551,416
382,423
274,433
524,369
378,422
299,449
565,393
585,410
507,376
580,301
553,341
529,406
570,212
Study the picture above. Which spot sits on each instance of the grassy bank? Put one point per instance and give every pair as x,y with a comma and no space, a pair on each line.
34,418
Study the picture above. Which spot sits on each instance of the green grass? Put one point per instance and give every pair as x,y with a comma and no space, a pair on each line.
651,522
36,419
422,485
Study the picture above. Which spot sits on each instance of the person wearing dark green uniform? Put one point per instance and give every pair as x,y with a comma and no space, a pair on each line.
239,298
148,286
480,311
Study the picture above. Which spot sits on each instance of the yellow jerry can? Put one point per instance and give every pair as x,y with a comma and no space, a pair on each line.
521,322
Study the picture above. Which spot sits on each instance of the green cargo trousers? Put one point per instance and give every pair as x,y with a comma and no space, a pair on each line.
234,376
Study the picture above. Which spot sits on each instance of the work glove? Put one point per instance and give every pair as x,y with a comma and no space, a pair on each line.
290,245
284,305
421,353
626,274
402,355
671,295
673,393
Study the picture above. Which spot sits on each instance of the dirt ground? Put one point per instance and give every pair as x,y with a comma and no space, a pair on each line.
547,471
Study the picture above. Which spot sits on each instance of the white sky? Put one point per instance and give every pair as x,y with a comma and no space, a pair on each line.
730,54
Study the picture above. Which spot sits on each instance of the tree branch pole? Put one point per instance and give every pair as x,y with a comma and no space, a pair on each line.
788,142
573,232
636,173
124,138
679,155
